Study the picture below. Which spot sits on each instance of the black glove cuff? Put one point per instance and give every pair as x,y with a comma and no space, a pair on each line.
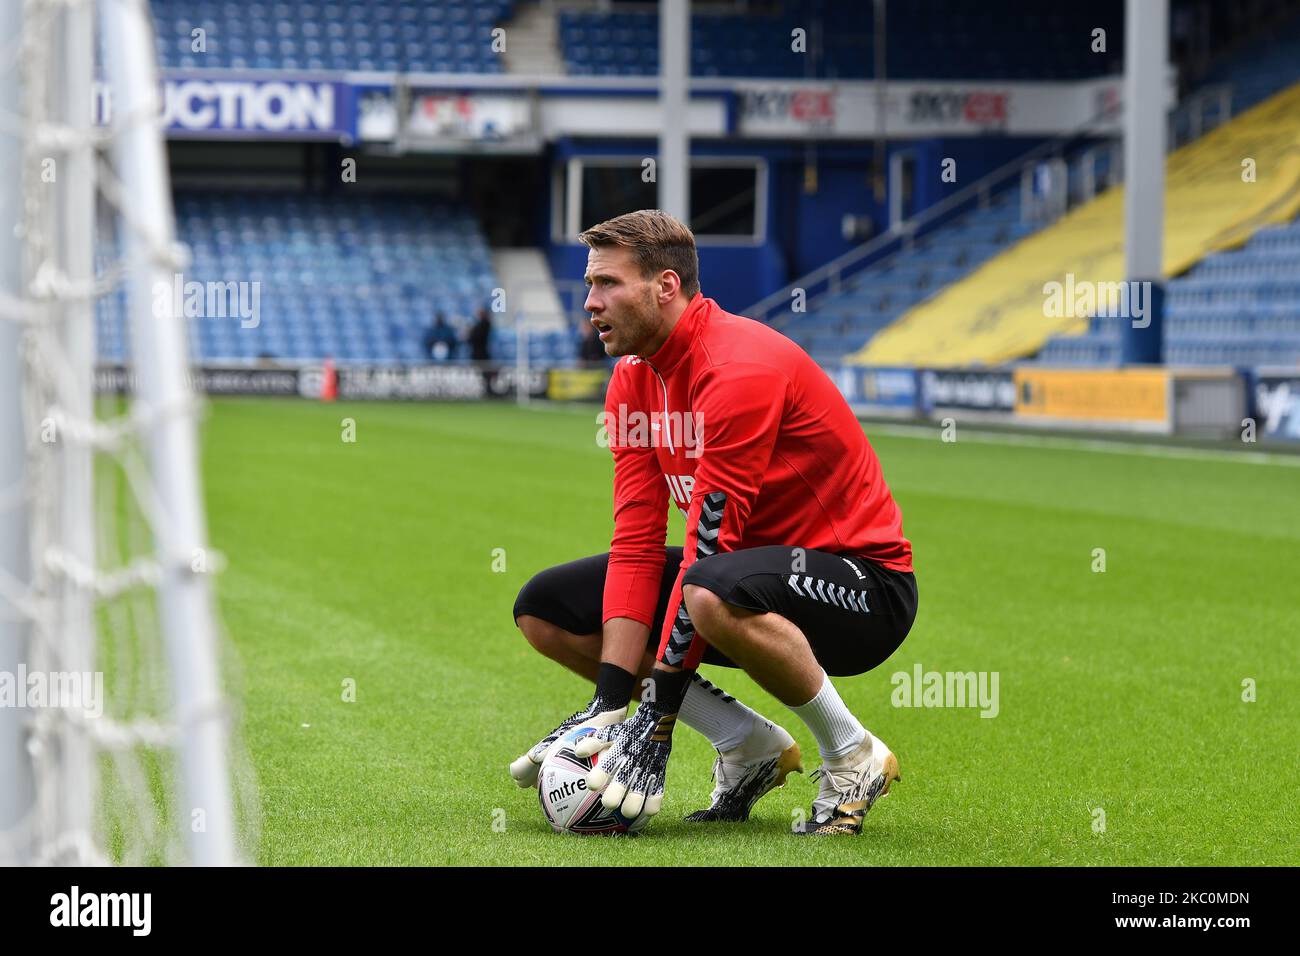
614,686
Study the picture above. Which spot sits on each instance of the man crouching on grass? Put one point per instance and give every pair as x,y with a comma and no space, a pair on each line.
794,565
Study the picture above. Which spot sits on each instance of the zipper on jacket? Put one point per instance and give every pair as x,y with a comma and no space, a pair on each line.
667,424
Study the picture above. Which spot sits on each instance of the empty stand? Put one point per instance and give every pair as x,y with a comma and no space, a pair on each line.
387,35
841,322
358,279
997,314
927,39
1240,307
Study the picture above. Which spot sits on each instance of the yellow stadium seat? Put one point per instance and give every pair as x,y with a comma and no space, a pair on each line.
997,313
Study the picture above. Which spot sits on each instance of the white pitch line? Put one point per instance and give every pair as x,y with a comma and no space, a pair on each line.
1086,444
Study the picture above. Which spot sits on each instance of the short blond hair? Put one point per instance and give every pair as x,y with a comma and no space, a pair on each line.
658,241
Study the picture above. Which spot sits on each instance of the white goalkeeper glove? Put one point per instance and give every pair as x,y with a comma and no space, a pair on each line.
598,713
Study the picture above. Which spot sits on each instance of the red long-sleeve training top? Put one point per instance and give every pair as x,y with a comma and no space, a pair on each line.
729,405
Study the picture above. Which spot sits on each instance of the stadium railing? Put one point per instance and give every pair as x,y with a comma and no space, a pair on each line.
1196,114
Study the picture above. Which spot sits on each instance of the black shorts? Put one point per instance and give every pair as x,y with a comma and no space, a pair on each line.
854,612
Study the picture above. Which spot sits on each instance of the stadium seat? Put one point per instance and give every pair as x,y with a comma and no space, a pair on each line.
337,275
345,35
757,44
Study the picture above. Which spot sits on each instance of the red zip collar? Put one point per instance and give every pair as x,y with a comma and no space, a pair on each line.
669,355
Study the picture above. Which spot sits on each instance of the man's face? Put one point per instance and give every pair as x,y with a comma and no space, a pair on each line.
623,305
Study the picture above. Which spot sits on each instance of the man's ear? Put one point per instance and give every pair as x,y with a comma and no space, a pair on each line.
669,282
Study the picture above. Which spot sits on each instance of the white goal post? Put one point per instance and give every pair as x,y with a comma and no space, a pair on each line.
104,561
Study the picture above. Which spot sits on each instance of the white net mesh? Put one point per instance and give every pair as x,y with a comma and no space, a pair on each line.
132,750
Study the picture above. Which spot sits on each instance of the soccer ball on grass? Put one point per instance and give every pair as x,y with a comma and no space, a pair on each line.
567,804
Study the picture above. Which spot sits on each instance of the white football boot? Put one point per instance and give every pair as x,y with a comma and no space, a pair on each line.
850,785
743,774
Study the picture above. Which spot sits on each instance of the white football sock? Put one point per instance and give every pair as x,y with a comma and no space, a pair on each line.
837,731
717,715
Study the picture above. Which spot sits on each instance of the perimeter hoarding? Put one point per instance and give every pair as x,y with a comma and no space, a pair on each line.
1129,398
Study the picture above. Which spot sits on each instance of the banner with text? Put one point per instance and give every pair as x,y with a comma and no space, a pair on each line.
891,391
1136,398
236,107
829,110
976,390
1277,404
417,382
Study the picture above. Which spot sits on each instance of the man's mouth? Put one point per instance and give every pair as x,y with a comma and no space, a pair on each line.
604,328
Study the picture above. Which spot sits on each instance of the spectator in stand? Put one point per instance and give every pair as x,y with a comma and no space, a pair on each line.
440,340
480,334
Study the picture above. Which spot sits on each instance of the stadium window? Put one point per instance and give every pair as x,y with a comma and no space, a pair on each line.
611,188
724,200
726,195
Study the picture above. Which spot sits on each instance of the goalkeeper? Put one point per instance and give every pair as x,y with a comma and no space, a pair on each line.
794,566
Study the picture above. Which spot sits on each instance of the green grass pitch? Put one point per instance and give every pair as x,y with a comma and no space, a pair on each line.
1121,692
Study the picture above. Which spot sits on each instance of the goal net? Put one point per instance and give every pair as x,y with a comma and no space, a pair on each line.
119,740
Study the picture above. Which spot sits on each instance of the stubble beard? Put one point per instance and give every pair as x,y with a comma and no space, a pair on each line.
639,329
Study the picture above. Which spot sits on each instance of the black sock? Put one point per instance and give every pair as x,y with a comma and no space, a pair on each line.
669,689
614,685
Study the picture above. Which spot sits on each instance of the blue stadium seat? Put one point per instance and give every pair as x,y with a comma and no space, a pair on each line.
1232,308
344,35
350,282
758,44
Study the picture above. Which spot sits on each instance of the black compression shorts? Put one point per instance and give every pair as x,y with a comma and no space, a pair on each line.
854,612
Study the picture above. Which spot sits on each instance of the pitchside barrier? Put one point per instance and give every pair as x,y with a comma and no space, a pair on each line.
1205,402
449,381
1275,398
878,391
1211,402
